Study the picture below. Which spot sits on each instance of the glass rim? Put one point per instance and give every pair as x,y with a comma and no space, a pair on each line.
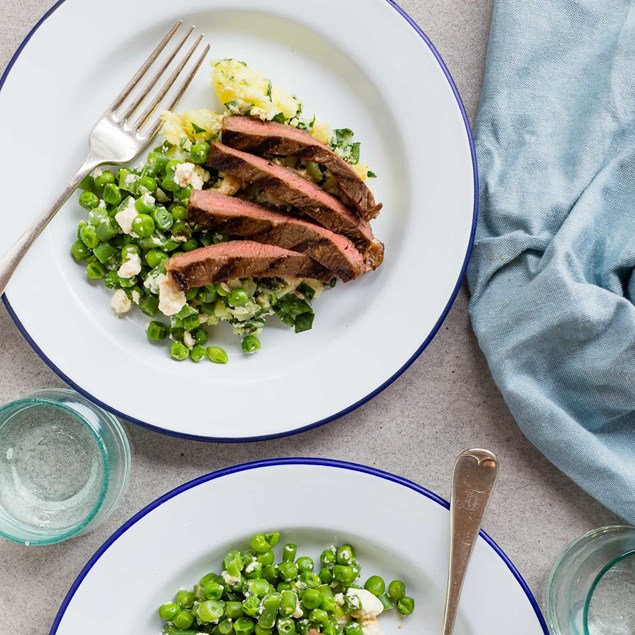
38,399
572,547
596,582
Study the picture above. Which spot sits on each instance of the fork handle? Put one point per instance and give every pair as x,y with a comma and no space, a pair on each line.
10,261
473,482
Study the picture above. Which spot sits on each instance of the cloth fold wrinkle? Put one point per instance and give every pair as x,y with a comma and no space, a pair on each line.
552,269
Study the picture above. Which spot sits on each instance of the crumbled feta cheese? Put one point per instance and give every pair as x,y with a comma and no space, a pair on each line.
188,340
228,185
300,585
231,580
151,283
343,619
131,267
102,204
190,174
148,199
171,298
126,216
333,548
120,302
298,613
251,566
370,627
370,606
136,296
97,172
130,179
339,599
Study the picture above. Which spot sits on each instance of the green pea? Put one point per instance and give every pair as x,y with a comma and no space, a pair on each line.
127,251
250,344
318,616
345,555
178,212
238,297
157,331
210,611
222,289
213,590
97,215
225,627
177,333
179,351
312,599
168,610
79,251
302,627
266,558
283,586
191,323
244,626
259,630
146,183
156,162
95,271
233,563
169,184
86,183
288,571
353,628
211,577
326,577
190,245
270,573
197,353
259,543
376,585
328,558
251,606
199,152
144,206
111,280
329,605
191,294
112,194
258,587
126,180
310,579
233,610
172,165
344,573
155,257
304,563
88,236
396,590
104,179
217,355
406,605
184,598
386,601
288,603
183,620
143,225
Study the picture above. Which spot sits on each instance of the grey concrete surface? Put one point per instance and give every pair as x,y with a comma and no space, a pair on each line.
445,403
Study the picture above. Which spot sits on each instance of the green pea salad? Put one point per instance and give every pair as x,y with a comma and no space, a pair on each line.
254,594
137,219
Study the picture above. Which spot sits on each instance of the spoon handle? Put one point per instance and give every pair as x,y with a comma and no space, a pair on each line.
473,482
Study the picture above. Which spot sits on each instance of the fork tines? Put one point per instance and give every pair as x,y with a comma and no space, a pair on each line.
153,89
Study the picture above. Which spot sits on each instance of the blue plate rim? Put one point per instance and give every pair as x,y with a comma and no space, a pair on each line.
253,465
358,403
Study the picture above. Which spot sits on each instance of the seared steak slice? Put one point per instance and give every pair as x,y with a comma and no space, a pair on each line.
236,217
241,259
270,137
292,189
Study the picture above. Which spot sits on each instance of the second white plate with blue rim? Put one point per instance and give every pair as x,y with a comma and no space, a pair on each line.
398,528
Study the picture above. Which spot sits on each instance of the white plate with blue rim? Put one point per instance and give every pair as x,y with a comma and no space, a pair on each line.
362,64
398,529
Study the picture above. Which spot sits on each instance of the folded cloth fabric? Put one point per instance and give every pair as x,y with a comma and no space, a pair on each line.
552,270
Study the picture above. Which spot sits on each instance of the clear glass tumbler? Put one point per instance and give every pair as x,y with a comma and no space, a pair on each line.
64,465
591,588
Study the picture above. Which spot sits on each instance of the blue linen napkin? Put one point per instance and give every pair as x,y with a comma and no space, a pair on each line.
552,271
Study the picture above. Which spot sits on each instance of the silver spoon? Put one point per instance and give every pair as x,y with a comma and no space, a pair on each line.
473,482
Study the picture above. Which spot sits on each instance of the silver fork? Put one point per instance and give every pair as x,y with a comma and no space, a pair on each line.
116,138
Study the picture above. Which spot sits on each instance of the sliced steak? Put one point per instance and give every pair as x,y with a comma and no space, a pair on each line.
292,189
269,137
241,259
235,217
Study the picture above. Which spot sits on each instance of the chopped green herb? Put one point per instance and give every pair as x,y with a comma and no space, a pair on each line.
279,118
197,129
371,174
355,153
